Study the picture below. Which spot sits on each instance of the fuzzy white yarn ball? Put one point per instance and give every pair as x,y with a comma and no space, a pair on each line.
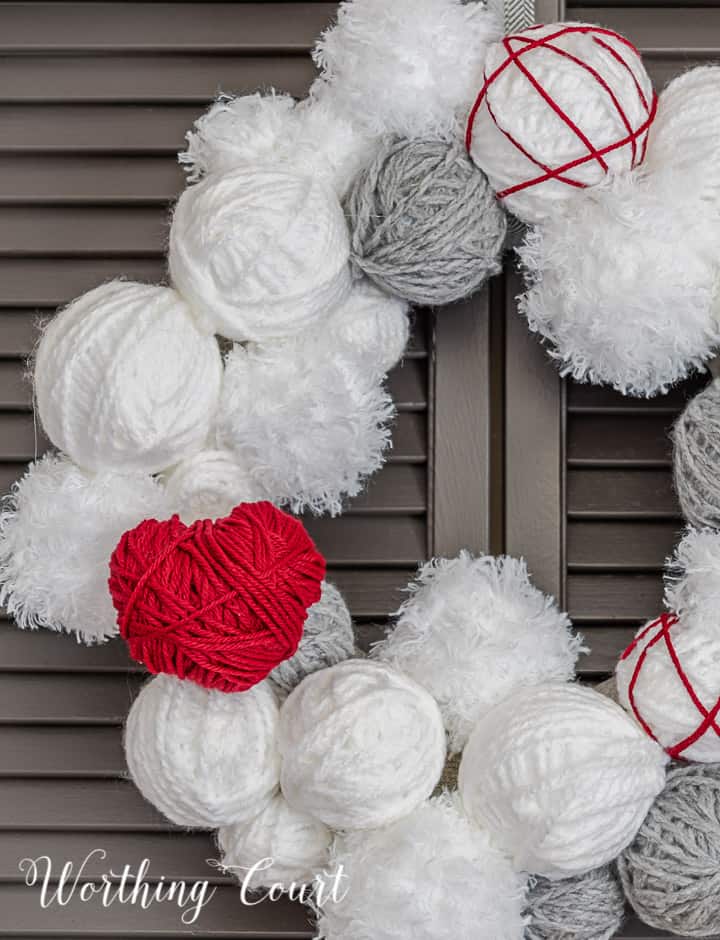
411,67
203,758
124,379
327,638
282,845
310,422
209,485
430,876
561,778
473,631
58,528
260,253
590,296
362,745
599,83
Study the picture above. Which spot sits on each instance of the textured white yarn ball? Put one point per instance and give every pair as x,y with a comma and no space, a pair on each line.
124,379
361,744
58,528
561,778
473,631
309,422
327,638
590,296
516,136
283,845
430,876
209,485
410,67
203,758
260,252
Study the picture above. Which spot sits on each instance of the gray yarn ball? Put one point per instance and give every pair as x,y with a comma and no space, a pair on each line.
327,639
696,438
587,907
425,224
671,871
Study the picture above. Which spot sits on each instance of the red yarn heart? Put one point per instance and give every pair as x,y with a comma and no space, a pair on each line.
221,603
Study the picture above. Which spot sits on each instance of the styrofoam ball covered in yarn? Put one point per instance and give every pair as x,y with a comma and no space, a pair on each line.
281,844
58,528
671,870
203,758
696,458
561,778
310,421
425,223
429,876
560,107
589,295
328,638
209,485
260,253
473,631
586,907
410,67
361,745
125,380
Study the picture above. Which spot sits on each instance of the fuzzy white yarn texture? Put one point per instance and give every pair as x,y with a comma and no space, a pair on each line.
280,846
209,485
430,876
203,758
259,253
473,631
310,423
590,297
409,68
596,80
124,380
58,528
561,778
362,745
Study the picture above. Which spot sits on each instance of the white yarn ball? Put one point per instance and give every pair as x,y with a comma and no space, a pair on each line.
58,529
284,847
561,778
309,422
260,252
516,136
361,744
209,485
473,631
410,67
429,876
327,638
590,296
124,379
203,758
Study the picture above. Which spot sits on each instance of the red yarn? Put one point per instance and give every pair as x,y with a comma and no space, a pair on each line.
221,603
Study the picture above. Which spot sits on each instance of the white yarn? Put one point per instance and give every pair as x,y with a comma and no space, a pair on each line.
473,631
429,876
260,252
514,106
58,529
282,845
209,485
590,296
309,423
362,745
124,379
203,758
561,778
410,67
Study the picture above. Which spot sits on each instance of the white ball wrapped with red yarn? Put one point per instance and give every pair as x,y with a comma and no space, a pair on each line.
561,106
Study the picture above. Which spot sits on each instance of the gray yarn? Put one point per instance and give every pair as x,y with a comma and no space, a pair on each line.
587,907
671,871
696,438
327,639
425,224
